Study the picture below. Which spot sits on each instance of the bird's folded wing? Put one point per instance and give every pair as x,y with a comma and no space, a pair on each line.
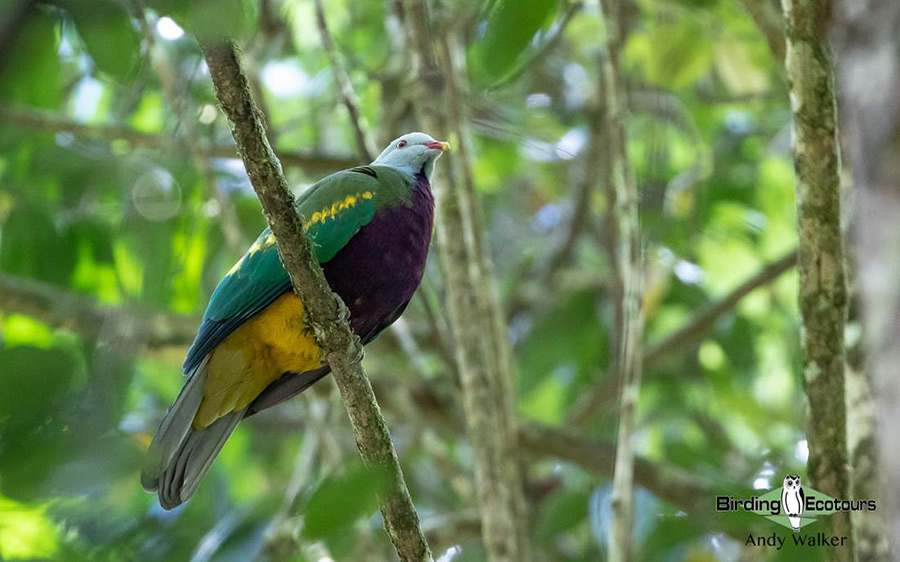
333,210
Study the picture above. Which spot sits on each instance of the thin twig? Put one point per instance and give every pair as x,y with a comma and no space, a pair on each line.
26,117
345,87
624,203
326,314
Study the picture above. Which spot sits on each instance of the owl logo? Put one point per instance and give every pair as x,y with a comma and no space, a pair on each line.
792,500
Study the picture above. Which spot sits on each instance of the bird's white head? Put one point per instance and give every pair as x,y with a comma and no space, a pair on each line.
413,153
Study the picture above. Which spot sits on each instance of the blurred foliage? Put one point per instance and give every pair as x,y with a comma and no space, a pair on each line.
510,26
128,219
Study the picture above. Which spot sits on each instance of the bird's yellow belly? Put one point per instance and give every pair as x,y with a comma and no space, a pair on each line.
274,342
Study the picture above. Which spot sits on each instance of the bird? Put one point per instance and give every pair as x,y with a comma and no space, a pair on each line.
792,499
371,227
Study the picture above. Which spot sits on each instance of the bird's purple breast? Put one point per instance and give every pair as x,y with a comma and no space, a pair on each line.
381,266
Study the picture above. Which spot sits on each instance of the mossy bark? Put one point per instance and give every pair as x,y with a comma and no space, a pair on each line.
821,261
868,48
326,314
862,446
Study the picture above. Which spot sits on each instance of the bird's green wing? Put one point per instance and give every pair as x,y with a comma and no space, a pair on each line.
333,210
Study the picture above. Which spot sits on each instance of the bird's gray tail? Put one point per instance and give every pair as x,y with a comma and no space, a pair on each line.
180,455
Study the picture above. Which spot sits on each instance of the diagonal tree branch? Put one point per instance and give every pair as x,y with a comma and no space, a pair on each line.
67,310
701,324
770,22
326,314
694,331
668,482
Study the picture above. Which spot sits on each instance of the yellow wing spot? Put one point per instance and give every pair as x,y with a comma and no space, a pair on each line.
260,244
257,246
235,267
336,207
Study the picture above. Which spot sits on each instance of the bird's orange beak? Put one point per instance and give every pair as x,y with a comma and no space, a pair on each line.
438,145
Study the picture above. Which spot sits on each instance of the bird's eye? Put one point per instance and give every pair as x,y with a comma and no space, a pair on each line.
402,144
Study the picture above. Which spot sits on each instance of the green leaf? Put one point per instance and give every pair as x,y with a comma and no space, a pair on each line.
31,246
739,69
26,533
510,27
562,512
341,499
95,236
668,535
30,74
109,35
209,20
33,438
554,344
672,54
34,381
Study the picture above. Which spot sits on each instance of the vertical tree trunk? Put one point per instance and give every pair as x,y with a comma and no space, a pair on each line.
479,338
823,291
869,62
871,542
629,319
498,355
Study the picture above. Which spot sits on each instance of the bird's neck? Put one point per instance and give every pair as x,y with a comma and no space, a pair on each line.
427,169
421,193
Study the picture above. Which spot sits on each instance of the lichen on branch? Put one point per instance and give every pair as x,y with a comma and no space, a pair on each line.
821,262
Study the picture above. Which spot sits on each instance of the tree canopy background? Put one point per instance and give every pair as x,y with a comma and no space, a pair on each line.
122,203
